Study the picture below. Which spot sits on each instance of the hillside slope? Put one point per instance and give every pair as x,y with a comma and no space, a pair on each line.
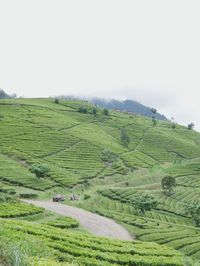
84,153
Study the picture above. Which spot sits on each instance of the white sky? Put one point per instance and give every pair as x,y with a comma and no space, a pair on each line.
145,50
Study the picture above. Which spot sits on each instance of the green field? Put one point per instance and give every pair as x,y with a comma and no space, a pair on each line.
84,154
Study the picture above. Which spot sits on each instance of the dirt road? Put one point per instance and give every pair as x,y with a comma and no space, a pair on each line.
94,223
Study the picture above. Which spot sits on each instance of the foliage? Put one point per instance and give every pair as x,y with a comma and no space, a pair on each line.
40,170
190,126
144,203
105,111
38,132
56,101
109,156
154,110
168,183
154,121
83,110
86,249
17,209
193,209
173,125
94,111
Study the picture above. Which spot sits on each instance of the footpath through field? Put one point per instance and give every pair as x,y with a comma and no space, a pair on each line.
94,223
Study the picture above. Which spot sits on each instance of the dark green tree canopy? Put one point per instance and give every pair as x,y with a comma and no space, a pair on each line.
168,183
154,110
105,111
144,203
190,126
94,111
40,170
193,209
83,110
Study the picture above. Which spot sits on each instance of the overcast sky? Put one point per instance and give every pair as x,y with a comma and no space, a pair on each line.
144,50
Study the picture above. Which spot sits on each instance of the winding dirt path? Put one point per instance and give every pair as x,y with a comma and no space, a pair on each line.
94,223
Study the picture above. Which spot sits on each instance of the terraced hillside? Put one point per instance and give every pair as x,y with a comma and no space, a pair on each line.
83,152
82,248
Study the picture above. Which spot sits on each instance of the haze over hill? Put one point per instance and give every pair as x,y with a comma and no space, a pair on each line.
127,105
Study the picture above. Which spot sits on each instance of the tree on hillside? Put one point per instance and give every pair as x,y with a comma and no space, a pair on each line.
124,137
154,111
109,156
144,203
94,111
154,121
190,126
173,123
56,101
40,170
83,110
193,209
168,183
105,111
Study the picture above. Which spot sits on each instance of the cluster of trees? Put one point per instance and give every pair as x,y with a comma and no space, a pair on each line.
124,135
154,121
40,170
109,156
144,202
168,183
84,110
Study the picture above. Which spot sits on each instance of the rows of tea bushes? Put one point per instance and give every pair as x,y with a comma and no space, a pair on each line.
88,250
64,223
16,174
157,226
18,209
71,143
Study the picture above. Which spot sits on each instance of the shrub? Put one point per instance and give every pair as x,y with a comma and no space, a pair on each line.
105,111
56,101
86,196
94,111
168,183
109,156
40,170
83,110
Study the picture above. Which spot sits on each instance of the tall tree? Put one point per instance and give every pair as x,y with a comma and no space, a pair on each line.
168,184
190,126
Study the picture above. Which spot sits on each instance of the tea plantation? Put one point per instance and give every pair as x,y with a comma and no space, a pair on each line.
108,160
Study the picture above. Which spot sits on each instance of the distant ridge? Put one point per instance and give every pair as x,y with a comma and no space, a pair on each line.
128,106
113,104
4,95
